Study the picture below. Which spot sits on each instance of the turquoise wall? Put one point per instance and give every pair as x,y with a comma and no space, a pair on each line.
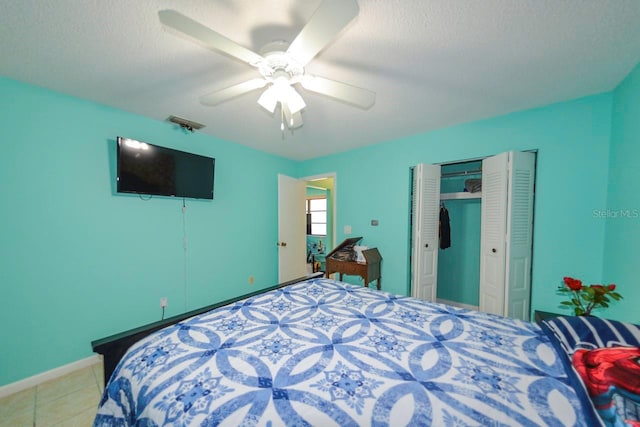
622,211
79,262
572,139
316,192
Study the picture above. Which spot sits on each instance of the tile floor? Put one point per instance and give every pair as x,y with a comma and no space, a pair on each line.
68,401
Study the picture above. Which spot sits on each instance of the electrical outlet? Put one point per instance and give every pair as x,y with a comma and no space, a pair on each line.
251,280
163,302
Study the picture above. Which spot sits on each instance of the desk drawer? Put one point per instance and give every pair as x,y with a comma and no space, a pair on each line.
353,268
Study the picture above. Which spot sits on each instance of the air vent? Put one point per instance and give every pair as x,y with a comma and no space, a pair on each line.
185,124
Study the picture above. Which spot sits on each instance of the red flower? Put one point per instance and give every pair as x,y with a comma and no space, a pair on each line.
573,284
583,299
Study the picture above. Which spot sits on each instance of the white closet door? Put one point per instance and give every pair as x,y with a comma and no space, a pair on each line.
519,234
493,231
425,231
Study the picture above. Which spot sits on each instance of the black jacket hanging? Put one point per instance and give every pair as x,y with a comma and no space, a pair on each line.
445,228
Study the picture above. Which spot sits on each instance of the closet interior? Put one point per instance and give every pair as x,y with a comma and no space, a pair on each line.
459,254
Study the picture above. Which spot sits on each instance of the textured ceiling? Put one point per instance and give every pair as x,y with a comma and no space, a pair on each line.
432,63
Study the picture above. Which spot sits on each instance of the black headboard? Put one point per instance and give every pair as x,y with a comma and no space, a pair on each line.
115,346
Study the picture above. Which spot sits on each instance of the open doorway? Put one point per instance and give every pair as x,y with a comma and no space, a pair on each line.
320,220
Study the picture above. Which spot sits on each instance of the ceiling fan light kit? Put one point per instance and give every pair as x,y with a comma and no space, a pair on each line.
281,91
280,64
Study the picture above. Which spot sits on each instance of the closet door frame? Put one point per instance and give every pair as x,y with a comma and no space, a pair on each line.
506,243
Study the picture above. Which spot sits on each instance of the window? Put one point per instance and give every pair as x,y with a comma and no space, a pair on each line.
317,216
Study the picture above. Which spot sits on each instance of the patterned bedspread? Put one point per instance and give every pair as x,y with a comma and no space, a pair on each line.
324,353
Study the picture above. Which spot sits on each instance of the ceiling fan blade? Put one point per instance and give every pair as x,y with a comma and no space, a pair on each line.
357,96
206,36
327,21
225,94
294,121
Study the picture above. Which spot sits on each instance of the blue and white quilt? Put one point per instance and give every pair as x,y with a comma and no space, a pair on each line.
326,353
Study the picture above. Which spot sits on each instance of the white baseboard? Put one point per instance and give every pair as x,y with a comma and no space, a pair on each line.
457,304
54,373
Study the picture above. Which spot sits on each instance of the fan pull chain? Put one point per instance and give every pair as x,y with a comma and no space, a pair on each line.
282,121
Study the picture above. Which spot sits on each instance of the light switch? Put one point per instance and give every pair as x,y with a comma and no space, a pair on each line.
374,222
347,229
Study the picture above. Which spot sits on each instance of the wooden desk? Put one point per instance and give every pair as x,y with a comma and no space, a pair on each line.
369,271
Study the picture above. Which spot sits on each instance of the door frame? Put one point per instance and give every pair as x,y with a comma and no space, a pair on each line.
535,151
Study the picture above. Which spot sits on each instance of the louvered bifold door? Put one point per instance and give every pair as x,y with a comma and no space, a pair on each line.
425,231
492,234
519,234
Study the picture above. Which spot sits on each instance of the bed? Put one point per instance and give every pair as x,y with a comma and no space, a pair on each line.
322,352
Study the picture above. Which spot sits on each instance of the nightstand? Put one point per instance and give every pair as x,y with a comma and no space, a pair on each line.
544,315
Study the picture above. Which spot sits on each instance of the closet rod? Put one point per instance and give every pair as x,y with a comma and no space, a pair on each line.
461,173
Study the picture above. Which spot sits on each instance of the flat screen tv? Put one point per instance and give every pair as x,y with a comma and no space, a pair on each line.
153,170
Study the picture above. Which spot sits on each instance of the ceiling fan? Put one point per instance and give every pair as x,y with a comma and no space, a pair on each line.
281,64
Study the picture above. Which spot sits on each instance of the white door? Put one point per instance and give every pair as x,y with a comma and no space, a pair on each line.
492,234
519,234
291,228
425,231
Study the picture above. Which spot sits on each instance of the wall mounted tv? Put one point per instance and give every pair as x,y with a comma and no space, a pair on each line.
153,170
